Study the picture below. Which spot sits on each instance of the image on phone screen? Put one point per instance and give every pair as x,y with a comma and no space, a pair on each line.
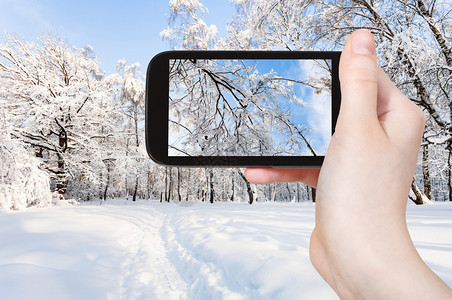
249,107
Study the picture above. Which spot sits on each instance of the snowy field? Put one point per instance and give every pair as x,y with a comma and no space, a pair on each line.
150,250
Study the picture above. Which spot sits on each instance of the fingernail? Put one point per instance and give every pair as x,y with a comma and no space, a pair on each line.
363,43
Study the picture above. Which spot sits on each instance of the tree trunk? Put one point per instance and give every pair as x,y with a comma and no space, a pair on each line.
255,192
248,188
313,194
166,185
426,172
297,186
126,183
233,186
105,192
269,192
150,186
106,186
288,192
188,185
134,197
224,189
61,183
274,185
417,192
170,185
212,194
137,144
61,173
449,171
178,185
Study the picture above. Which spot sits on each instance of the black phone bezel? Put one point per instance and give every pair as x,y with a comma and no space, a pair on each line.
157,112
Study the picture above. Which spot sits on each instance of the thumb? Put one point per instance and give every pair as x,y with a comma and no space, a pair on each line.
358,75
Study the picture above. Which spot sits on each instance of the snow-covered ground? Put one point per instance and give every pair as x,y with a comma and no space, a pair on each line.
151,250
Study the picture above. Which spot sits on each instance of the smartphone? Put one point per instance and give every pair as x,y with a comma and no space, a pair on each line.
241,108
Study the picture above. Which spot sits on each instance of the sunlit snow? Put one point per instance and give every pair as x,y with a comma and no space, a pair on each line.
152,250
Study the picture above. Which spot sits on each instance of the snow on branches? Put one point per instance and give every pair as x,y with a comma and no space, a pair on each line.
188,26
59,103
22,182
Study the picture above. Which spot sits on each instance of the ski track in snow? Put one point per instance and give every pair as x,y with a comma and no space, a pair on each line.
237,252
148,274
151,250
204,278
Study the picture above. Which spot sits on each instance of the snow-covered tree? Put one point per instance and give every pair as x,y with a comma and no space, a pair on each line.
413,46
58,102
130,91
22,182
187,26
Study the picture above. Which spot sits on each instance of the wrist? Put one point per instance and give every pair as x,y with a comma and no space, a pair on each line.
384,265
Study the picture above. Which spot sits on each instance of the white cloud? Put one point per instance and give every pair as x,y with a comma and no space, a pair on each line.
318,109
320,119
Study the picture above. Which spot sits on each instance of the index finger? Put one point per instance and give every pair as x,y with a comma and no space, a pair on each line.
270,175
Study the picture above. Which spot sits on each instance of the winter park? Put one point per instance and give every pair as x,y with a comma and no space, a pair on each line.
86,214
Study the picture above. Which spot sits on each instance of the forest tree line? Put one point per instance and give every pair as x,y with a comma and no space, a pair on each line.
69,131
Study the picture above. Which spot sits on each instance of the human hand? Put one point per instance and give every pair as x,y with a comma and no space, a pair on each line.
360,244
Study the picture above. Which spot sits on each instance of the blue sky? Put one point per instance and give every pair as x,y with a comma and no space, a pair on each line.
115,29
316,113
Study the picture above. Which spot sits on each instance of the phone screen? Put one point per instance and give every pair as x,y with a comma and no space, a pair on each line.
249,107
